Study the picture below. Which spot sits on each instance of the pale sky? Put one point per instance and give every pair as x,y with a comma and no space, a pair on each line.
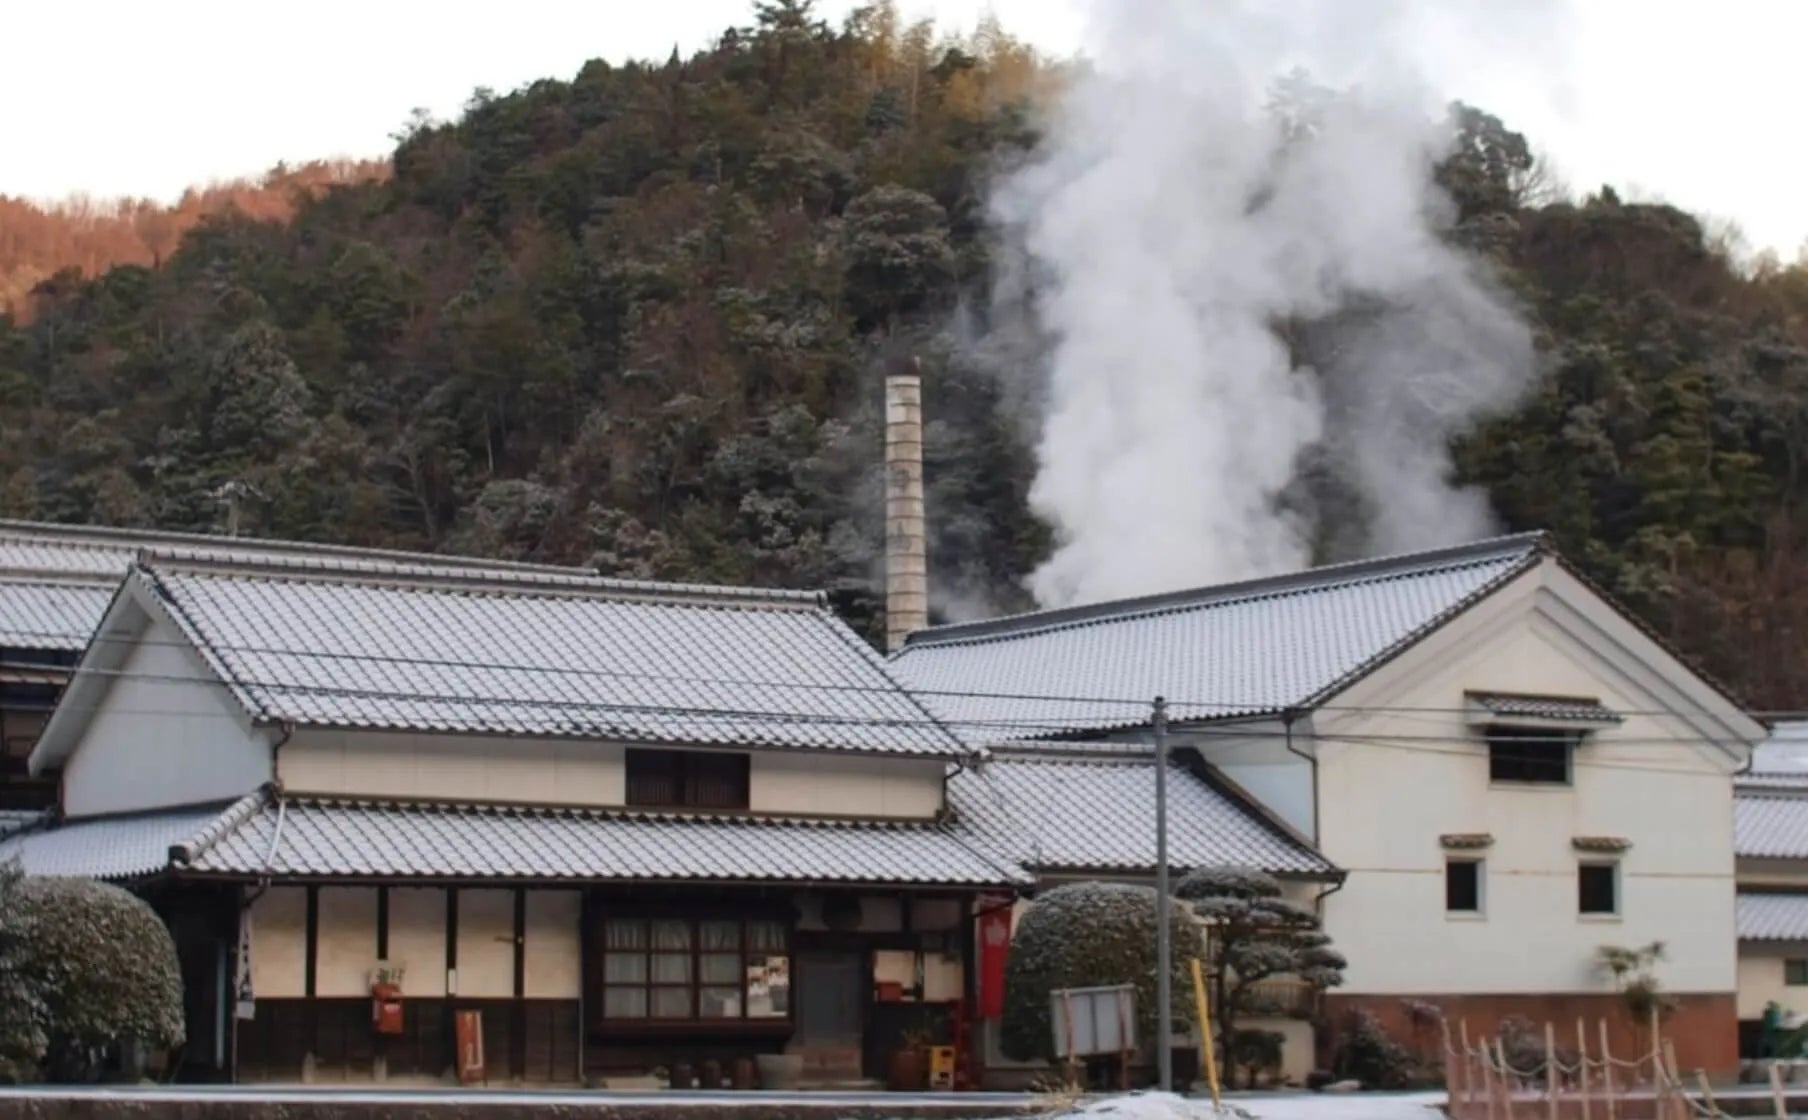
1695,104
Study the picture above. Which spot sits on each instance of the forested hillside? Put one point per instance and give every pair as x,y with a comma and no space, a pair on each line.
639,317
39,240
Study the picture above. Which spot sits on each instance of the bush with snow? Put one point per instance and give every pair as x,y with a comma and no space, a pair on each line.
101,970
24,1023
1087,935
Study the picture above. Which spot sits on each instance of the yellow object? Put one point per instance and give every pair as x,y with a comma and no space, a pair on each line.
941,1067
1207,1053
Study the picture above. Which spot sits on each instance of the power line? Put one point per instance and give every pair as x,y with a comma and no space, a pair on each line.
893,688
1439,743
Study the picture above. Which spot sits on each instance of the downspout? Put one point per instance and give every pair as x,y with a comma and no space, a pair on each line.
1287,719
243,968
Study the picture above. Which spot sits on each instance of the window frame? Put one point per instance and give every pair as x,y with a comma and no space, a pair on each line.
1795,972
1612,868
1480,888
1503,739
688,770
748,951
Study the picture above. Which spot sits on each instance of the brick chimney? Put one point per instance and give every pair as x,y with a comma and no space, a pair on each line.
906,550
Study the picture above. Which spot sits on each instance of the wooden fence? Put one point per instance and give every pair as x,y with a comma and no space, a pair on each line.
1576,1078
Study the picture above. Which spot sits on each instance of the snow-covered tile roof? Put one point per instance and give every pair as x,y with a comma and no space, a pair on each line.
1065,811
56,580
1546,707
564,655
1772,917
1780,761
17,820
1770,824
106,847
1239,649
43,615
340,838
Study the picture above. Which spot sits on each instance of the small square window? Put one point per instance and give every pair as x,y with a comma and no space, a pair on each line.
1463,886
1795,973
1598,888
1529,756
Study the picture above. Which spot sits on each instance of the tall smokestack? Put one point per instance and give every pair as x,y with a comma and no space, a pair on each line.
906,551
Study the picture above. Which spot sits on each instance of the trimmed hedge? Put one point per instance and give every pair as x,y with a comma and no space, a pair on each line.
94,968
1089,935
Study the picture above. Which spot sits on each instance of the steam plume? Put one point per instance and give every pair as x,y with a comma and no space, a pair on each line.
1175,240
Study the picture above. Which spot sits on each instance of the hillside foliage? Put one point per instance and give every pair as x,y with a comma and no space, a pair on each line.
640,317
85,236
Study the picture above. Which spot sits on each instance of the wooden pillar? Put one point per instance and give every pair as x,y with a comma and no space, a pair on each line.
308,984
518,1022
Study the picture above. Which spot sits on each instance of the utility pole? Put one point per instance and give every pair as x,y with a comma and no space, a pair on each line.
1164,946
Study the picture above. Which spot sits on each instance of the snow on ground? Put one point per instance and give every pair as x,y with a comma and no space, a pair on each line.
1266,1106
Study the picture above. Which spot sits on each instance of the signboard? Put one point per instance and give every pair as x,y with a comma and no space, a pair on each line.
469,1028
1092,1021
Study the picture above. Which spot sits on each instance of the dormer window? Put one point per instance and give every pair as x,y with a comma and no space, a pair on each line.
1532,739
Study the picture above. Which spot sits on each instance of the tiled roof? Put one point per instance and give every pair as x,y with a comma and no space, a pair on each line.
1770,825
1240,649
1773,917
46,615
549,655
1075,813
106,847
1781,761
15,820
1573,708
336,838
56,580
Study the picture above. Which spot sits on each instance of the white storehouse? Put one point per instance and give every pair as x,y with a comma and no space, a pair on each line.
1508,768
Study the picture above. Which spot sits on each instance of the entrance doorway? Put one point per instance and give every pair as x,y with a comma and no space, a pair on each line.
831,1000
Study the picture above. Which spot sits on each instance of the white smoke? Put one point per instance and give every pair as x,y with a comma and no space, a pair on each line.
1169,227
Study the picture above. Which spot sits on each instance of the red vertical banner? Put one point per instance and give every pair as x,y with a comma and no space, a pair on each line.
994,949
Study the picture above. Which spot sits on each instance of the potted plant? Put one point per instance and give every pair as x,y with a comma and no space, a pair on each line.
908,1069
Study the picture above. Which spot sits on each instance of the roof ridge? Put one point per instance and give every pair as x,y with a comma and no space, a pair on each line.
432,577
50,534
235,814
608,812
1376,569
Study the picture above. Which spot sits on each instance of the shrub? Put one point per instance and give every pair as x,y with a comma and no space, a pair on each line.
1366,1053
23,1020
1089,935
106,970
1256,1052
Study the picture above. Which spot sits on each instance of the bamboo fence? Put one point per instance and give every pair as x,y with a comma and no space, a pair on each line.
1586,1083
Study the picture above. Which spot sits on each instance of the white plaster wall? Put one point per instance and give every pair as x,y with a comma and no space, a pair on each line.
453,767
558,772
486,943
1761,978
345,947
856,785
1255,757
552,962
279,943
165,733
1392,781
417,939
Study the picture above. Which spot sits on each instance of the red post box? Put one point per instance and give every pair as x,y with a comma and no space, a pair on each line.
386,1008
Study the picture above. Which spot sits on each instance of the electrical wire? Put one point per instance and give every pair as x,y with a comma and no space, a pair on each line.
890,688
